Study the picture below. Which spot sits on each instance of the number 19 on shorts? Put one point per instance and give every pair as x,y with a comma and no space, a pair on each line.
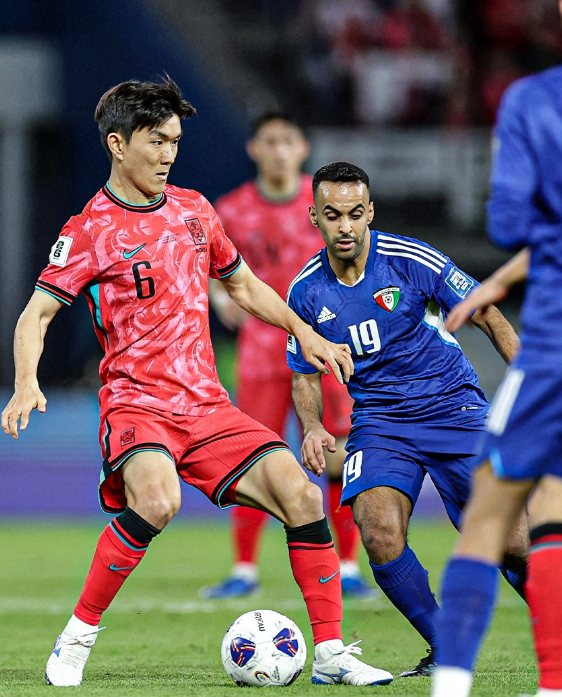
352,468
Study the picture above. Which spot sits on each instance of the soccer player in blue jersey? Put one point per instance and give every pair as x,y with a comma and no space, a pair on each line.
418,407
523,445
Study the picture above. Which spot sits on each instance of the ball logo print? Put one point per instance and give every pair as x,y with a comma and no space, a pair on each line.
263,648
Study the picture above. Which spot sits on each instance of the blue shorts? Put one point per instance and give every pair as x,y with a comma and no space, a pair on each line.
524,434
402,456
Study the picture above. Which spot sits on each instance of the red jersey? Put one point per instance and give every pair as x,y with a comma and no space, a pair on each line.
276,238
144,271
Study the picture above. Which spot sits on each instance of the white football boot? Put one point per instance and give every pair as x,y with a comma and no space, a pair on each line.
335,664
67,661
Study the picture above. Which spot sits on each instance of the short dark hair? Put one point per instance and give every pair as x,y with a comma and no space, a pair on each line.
135,105
278,115
339,172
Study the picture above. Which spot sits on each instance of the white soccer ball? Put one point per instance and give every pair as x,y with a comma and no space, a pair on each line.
263,648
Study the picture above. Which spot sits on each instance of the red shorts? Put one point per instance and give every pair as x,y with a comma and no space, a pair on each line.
210,452
269,401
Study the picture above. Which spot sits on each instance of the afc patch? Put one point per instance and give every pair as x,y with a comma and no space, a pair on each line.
60,250
194,227
127,436
291,344
387,298
459,282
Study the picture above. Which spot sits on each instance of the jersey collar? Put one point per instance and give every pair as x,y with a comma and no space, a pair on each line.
137,207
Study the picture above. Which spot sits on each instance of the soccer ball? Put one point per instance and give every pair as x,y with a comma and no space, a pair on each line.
263,648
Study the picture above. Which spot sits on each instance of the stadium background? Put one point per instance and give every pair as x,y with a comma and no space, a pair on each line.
407,89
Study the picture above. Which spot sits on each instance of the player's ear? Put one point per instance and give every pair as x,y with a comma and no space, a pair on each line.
115,143
251,149
312,214
371,212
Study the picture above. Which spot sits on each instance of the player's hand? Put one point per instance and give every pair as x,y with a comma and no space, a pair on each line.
312,450
23,402
481,298
321,353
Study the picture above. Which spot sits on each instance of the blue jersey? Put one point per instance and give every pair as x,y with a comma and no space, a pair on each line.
525,208
407,366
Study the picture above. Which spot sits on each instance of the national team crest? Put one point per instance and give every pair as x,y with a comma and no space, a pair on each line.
194,227
387,298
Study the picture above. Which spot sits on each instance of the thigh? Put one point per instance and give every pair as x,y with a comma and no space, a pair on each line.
279,485
452,478
128,432
383,512
338,406
492,513
369,465
222,447
267,401
546,503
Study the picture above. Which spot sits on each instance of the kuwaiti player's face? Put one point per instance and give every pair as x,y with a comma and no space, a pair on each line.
141,167
343,213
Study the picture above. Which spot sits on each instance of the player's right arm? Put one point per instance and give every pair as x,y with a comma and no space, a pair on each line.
28,347
307,398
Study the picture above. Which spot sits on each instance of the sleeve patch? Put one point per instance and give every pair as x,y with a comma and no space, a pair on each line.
60,250
291,344
459,282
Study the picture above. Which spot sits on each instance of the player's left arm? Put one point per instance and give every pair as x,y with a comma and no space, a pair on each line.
307,398
261,301
500,332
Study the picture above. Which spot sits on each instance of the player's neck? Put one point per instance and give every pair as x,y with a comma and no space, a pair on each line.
350,272
278,189
129,193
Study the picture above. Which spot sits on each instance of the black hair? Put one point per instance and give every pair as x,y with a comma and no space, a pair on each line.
135,105
339,172
269,116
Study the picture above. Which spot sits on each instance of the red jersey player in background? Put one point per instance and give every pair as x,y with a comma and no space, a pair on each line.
267,219
142,252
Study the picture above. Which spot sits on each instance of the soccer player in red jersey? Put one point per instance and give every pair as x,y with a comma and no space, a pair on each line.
267,219
142,252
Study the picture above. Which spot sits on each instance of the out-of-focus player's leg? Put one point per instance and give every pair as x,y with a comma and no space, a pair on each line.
268,402
346,532
383,514
338,406
469,585
153,496
279,485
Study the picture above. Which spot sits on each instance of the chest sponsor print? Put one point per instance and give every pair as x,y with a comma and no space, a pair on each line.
194,227
387,298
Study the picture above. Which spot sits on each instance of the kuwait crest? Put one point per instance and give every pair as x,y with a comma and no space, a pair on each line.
387,298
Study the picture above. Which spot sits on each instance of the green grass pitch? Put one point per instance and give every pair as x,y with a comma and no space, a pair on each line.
162,640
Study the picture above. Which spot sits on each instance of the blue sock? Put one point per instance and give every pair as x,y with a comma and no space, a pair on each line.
468,597
516,576
404,582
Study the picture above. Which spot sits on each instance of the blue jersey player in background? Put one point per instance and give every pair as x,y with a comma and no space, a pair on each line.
418,407
523,446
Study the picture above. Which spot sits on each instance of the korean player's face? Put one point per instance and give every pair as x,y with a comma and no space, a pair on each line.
343,213
279,150
148,157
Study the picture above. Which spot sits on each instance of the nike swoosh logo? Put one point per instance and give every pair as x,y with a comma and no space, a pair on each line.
120,568
325,580
128,255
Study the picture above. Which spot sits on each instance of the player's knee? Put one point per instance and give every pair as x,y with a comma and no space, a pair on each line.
305,505
383,544
159,509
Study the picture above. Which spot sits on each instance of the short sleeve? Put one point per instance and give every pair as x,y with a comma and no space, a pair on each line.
452,285
72,264
225,258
